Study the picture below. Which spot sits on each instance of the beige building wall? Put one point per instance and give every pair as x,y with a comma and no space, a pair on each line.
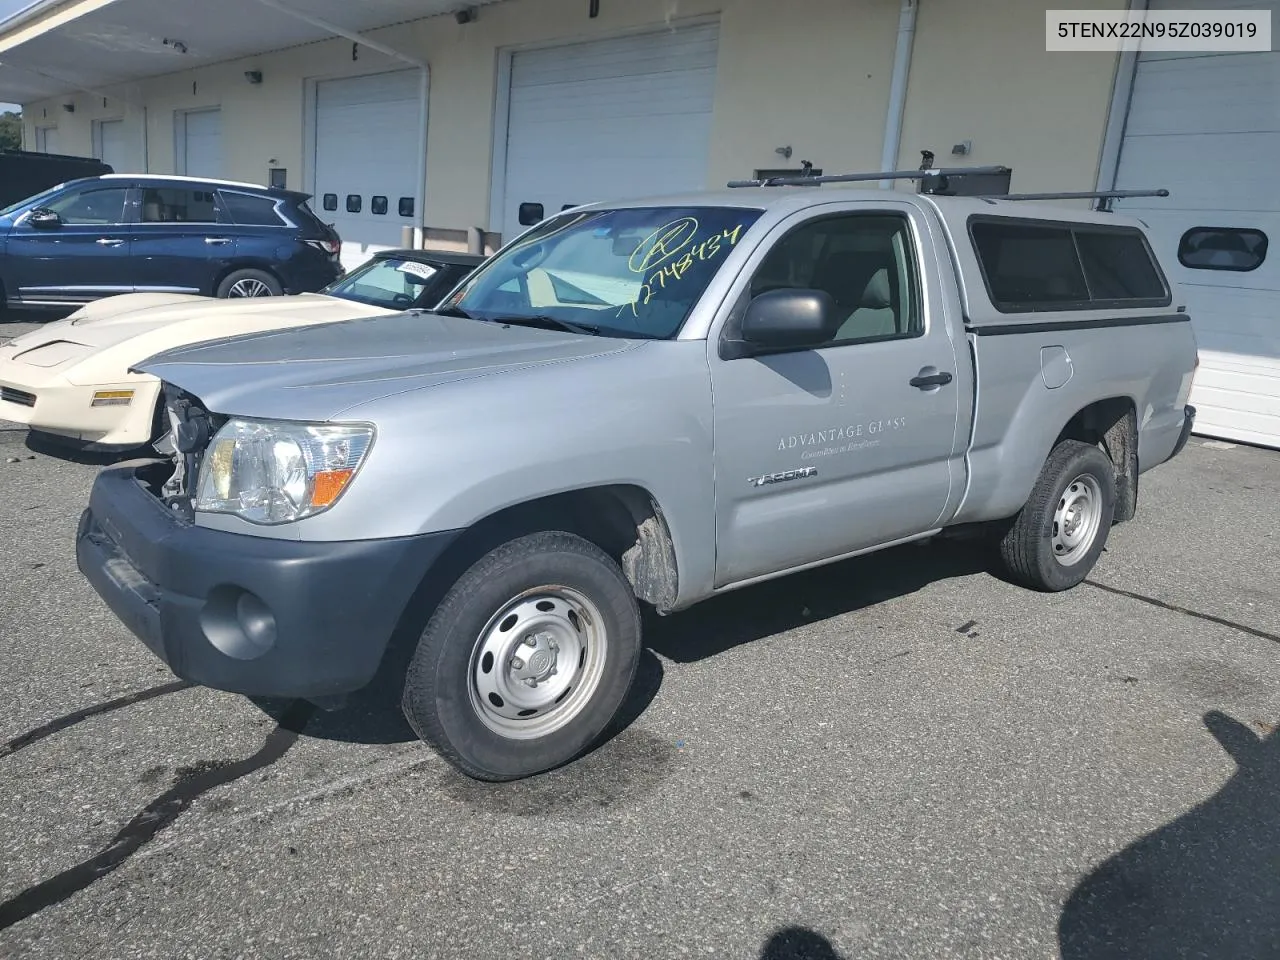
980,72
817,82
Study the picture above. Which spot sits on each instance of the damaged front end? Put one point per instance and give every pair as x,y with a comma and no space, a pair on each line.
191,428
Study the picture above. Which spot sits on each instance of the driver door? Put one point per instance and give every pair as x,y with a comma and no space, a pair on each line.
824,452
84,257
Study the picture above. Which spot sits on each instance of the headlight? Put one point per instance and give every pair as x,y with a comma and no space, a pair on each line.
272,472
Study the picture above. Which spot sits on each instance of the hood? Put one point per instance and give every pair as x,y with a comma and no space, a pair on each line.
315,373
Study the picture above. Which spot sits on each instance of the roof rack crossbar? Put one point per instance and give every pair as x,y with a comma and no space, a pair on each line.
1104,197
1080,195
867,177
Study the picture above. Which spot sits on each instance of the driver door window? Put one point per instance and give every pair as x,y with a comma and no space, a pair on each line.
91,207
863,261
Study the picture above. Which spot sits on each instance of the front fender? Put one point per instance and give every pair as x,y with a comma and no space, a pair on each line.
447,457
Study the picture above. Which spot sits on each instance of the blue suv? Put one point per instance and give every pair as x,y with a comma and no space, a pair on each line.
121,233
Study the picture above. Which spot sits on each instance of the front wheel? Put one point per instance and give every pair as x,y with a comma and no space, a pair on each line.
527,659
1058,536
249,283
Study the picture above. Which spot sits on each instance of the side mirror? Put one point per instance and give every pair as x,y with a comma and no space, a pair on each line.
787,319
530,213
43,219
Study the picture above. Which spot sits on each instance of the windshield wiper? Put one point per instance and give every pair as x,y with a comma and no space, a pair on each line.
554,323
453,312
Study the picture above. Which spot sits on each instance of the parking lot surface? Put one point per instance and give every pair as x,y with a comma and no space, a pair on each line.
901,755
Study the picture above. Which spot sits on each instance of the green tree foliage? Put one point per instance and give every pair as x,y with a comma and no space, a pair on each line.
10,131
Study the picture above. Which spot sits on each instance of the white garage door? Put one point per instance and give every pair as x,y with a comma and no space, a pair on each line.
111,146
366,159
47,140
1207,126
202,143
608,120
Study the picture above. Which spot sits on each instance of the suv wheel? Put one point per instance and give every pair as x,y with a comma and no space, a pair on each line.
1061,531
249,283
527,659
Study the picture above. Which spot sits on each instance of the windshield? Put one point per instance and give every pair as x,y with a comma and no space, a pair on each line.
633,272
30,201
389,282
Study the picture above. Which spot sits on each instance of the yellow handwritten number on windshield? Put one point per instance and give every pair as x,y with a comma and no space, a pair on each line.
707,250
663,244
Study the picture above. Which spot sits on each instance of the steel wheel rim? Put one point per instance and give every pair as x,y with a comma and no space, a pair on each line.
249,287
1076,519
552,635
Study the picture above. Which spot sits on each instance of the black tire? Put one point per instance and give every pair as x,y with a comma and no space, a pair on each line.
1073,471
253,279
441,693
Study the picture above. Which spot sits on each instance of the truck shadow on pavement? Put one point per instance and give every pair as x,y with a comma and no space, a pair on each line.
373,714
753,613
1204,885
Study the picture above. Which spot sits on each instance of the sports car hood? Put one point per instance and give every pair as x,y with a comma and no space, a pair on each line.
315,373
161,321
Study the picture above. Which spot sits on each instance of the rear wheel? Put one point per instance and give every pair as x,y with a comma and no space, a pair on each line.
1059,534
527,659
249,283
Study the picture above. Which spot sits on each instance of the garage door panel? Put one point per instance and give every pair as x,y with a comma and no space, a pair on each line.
1230,343
202,139
1256,390
1217,172
113,146
366,145
1207,127
1257,412
1206,95
620,57
617,138
1238,427
608,120
1258,287
662,97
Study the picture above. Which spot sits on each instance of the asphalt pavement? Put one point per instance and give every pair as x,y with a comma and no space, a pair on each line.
898,756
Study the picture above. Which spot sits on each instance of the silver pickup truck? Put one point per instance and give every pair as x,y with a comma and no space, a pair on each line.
650,402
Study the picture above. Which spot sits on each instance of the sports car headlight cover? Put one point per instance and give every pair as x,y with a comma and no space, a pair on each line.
271,472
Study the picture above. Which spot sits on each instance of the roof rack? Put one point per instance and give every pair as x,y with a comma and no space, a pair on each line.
1104,197
943,173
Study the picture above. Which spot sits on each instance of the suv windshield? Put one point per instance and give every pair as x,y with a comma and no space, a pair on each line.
634,272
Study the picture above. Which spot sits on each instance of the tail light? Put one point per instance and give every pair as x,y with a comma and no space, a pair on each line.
331,247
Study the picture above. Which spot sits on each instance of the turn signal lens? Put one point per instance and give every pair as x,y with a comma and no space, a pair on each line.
112,398
328,485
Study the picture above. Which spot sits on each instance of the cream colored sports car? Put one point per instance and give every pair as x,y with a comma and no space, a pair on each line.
69,381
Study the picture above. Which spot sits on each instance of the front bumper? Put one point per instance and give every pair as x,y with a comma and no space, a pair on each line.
250,615
64,412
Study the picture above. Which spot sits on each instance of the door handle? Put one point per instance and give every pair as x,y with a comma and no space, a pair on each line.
931,380
216,241
108,242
